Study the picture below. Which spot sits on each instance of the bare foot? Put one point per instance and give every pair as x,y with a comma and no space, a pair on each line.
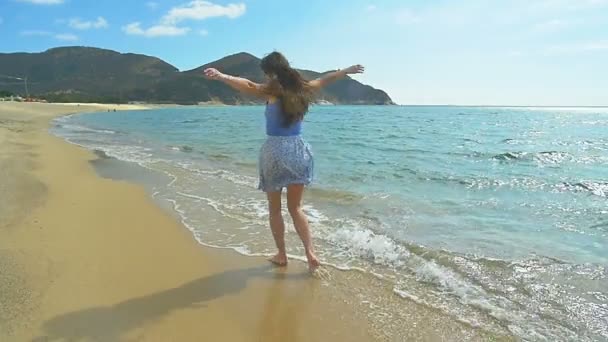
279,260
313,262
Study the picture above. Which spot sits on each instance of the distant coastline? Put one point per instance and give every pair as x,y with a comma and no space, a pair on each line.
76,74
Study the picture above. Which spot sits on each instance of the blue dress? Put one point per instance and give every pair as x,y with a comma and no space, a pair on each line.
285,158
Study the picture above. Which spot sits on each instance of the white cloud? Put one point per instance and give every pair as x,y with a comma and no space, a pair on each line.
43,2
78,24
550,26
66,36
406,16
599,46
371,8
516,53
41,33
200,10
194,10
35,33
568,4
135,29
595,46
576,48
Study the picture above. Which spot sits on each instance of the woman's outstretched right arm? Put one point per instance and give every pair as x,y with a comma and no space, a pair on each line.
335,75
238,83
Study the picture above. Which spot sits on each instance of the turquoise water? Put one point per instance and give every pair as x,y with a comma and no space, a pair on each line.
496,216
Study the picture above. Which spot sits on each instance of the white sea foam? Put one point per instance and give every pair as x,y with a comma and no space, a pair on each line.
247,181
77,129
357,241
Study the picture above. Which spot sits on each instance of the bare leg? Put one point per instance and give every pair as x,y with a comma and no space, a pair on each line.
277,226
294,204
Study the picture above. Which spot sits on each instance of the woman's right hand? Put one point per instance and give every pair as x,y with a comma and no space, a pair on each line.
213,74
355,69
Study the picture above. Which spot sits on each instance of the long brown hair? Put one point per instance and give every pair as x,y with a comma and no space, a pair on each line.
288,86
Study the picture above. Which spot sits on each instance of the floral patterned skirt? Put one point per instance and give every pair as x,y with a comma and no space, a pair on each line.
284,161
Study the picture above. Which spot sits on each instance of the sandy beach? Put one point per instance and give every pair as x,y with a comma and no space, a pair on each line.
93,259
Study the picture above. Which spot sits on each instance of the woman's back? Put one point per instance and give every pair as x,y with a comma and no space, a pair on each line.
275,122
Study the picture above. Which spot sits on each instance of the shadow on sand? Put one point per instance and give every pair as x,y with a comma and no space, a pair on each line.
109,323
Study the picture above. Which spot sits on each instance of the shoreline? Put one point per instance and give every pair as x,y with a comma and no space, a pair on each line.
95,258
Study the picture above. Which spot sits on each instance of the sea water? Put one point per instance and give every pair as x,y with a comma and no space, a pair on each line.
493,215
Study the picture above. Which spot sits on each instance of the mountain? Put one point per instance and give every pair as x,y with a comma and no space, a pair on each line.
86,74
83,73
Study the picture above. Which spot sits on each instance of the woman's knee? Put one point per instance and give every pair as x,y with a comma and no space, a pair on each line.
294,209
274,211
294,199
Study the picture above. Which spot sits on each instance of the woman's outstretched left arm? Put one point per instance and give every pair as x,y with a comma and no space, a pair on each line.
241,84
333,76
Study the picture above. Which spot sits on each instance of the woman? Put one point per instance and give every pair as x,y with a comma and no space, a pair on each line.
285,158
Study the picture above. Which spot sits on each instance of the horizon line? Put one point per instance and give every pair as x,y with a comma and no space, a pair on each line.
494,105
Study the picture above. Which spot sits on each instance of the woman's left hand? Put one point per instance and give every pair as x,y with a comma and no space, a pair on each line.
213,74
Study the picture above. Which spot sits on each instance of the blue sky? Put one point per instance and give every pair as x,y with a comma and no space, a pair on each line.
512,52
